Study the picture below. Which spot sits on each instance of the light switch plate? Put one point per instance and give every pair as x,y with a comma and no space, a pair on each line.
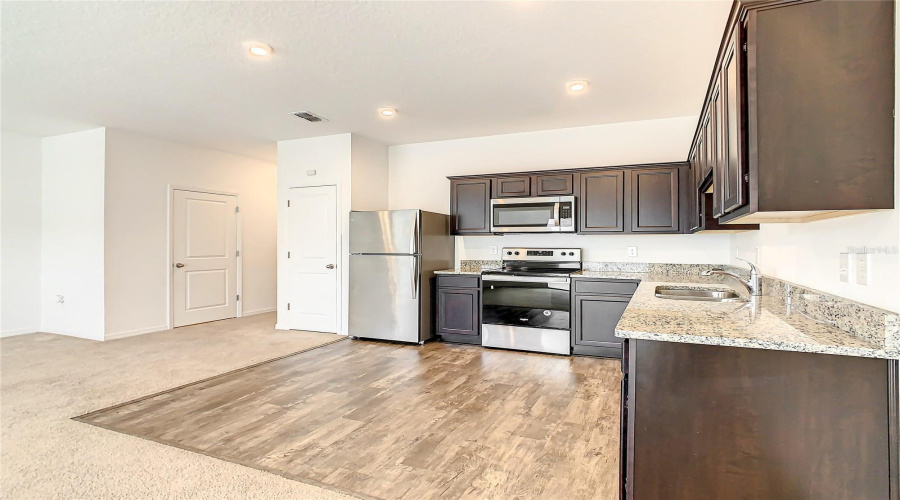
844,267
862,269
632,251
493,249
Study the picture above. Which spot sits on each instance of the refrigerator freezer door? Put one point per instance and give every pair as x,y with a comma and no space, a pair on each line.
388,231
385,293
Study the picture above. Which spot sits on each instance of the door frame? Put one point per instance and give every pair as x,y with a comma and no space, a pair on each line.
170,246
340,261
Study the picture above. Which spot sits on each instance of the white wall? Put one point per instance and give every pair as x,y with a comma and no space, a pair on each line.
20,234
368,174
418,179
72,211
330,157
663,248
139,171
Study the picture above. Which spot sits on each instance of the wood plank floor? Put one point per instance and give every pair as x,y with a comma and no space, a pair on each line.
391,421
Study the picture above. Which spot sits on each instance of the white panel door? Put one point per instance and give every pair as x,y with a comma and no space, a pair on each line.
312,261
204,254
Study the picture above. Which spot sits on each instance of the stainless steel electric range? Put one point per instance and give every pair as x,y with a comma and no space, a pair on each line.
525,305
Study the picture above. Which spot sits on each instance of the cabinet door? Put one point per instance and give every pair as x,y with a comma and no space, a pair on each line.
654,200
602,204
553,185
512,187
695,204
596,318
457,311
733,182
470,206
714,147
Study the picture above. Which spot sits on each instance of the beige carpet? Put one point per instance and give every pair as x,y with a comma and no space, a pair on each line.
47,379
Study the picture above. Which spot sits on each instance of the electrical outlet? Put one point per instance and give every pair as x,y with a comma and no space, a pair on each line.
60,299
632,251
844,267
862,269
493,249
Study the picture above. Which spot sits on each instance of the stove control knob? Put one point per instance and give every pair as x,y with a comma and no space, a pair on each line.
572,254
508,253
517,253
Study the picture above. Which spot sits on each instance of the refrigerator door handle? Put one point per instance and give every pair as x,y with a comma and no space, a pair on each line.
414,244
415,278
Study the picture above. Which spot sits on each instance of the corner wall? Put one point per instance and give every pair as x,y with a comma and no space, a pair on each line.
330,157
20,238
72,233
418,179
139,173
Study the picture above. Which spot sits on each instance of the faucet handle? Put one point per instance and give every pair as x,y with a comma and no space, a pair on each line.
753,268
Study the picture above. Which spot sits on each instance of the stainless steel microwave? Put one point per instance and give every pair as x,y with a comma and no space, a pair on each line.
547,214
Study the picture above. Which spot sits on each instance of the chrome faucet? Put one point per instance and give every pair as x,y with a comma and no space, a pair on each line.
752,285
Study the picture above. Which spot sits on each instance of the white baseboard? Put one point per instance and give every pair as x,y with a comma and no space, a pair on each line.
258,311
18,331
132,333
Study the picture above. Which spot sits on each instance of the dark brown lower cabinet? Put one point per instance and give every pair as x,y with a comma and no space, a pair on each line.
458,309
712,422
597,306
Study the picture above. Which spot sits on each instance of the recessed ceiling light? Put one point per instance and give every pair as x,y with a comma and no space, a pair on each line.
387,112
577,85
259,49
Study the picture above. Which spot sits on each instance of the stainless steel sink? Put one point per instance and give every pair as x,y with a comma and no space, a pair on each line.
665,292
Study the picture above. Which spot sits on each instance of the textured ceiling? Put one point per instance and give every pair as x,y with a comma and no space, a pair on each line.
178,70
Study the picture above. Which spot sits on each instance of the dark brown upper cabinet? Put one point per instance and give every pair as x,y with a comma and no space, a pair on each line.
554,184
714,149
694,200
733,178
470,206
654,200
651,198
512,187
601,202
800,106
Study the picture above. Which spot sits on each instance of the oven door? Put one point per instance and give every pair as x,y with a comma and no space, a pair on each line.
549,214
528,301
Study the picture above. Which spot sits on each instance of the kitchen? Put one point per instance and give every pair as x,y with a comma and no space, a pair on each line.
587,250
694,321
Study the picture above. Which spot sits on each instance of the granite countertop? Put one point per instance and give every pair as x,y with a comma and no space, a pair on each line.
766,322
476,272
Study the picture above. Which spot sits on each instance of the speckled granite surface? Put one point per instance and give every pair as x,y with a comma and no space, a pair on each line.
472,267
767,322
459,271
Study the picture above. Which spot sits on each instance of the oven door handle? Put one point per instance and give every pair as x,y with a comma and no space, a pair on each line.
525,279
556,214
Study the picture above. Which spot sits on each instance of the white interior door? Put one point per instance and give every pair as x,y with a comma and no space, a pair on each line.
313,285
204,255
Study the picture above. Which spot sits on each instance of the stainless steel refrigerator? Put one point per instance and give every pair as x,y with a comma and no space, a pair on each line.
393,256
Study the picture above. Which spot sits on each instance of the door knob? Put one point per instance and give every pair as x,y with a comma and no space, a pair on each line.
179,265
329,266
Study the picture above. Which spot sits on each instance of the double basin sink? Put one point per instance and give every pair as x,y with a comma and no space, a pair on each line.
675,293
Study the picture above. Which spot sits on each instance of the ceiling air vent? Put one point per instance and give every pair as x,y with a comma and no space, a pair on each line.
310,117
